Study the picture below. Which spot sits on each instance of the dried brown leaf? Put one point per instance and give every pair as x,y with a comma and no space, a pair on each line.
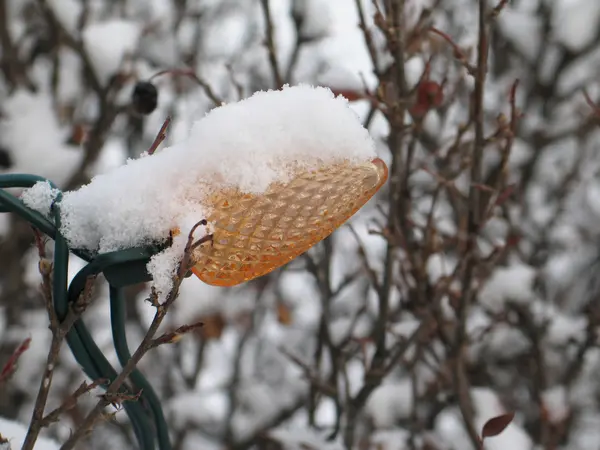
496,425
284,314
213,326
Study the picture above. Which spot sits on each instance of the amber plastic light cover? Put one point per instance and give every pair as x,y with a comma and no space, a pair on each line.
255,234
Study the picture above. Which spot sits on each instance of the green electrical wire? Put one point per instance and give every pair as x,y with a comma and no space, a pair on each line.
121,268
117,314
95,364
12,204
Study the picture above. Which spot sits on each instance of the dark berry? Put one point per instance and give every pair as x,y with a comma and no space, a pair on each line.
5,159
144,98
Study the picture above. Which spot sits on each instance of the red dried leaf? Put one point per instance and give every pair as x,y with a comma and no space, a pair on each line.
79,134
496,425
512,240
11,365
284,314
429,95
351,95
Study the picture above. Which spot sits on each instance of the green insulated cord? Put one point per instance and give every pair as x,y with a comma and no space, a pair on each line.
121,268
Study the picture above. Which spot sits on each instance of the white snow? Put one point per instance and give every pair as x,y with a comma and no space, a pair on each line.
556,404
575,22
303,438
199,408
505,341
396,439
345,42
40,197
108,43
563,329
513,283
316,17
15,433
31,132
113,155
522,29
67,12
390,403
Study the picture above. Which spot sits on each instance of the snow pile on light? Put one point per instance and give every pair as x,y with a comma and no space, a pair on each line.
246,146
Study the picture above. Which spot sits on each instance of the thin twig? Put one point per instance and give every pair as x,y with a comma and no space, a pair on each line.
190,73
473,224
59,332
393,28
71,401
112,394
161,136
368,38
270,43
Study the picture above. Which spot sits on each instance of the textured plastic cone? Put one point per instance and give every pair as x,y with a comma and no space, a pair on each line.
255,234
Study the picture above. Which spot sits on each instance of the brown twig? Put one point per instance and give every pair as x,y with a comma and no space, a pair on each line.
71,401
161,136
59,332
458,52
172,337
495,12
270,43
368,38
190,73
392,25
148,342
473,224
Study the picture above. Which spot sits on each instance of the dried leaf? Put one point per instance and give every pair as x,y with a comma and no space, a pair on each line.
213,327
512,240
496,425
284,314
79,134
350,95
430,95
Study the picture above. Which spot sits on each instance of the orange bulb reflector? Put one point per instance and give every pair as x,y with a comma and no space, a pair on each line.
255,234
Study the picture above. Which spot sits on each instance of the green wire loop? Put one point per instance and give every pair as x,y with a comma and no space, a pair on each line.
121,268
95,364
117,315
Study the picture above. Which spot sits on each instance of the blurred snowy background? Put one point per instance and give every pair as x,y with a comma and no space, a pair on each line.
285,362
